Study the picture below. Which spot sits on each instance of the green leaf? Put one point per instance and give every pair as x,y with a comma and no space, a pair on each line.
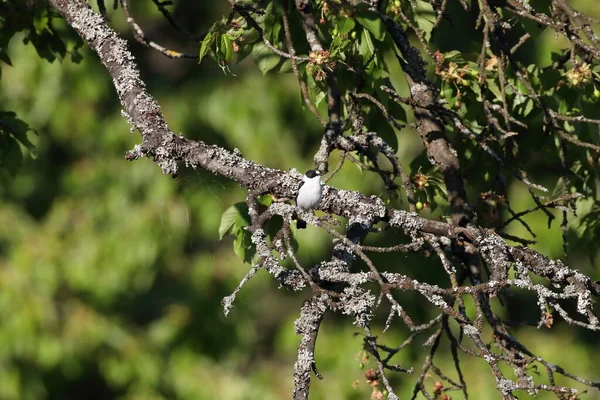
563,107
206,44
76,56
339,46
243,246
227,221
528,107
319,98
366,48
275,32
372,22
448,92
286,66
344,25
234,219
264,57
267,20
227,48
265,200
40,22
493,87
453,55
244,51
425,18
250,36
476,89
48,44
569,127
17,128
310,80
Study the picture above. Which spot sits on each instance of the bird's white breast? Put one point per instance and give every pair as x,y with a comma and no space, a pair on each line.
309,194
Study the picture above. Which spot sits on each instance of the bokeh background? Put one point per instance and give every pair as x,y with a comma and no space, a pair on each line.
111,274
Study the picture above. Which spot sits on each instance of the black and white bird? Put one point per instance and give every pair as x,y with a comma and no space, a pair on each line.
309,194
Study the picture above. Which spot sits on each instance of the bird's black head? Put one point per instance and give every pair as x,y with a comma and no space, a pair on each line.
312,173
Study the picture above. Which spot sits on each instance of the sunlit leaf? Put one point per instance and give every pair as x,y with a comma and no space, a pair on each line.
233,219
227,48
372,22
344,25
206,45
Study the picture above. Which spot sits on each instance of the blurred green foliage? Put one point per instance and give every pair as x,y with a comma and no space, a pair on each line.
111,274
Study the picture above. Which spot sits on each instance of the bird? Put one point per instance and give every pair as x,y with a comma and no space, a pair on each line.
309,194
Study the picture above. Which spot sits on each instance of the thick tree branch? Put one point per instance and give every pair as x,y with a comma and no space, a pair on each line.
307,326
